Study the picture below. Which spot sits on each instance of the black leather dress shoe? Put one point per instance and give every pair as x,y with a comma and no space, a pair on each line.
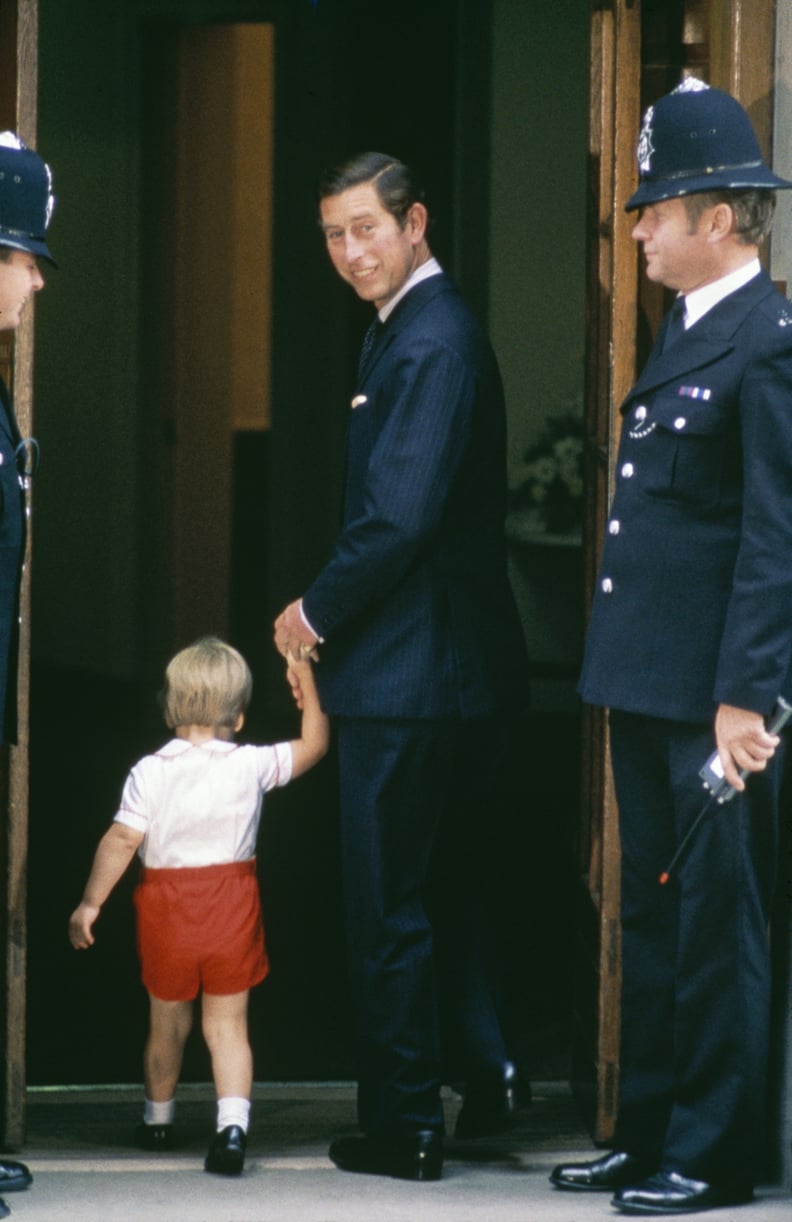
416,1156
668,1192
492,1103
614,1170
226,1154
14,1176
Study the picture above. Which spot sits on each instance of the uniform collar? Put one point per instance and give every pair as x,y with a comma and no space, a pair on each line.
705,342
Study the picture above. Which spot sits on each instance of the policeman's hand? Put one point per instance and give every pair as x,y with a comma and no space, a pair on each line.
743,743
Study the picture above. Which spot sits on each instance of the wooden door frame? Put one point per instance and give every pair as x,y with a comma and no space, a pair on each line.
741,49
610,371
18,111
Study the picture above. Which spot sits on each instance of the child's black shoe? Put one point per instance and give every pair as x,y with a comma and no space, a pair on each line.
226,1154
154,1137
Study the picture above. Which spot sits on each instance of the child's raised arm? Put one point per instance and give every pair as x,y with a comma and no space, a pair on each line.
114,853
314,738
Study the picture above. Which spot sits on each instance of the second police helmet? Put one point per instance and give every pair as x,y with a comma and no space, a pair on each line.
26,199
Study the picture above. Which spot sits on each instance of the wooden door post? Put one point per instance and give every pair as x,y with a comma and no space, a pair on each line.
18,112
610,346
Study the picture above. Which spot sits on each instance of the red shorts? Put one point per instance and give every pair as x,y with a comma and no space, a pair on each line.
200,928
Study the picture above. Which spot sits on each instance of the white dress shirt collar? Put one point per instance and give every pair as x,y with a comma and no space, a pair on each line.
430,268
701,301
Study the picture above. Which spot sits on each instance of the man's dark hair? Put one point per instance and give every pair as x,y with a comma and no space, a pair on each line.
397,186
753,209
6,253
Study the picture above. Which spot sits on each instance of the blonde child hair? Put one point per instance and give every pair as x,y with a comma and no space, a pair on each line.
207,684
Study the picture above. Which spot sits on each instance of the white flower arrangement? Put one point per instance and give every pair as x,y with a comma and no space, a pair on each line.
551,476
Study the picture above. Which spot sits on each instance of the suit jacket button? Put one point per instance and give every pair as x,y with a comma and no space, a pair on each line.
628,470
606,585
640,413
680,422
614,526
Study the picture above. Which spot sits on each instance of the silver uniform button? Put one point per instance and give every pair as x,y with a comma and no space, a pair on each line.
2,459
680,422
606,585
628,470
640,413
614,526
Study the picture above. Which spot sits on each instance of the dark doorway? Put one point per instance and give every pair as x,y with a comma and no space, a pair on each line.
418,89
232,523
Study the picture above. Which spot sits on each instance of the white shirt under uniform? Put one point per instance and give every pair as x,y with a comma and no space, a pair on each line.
200,805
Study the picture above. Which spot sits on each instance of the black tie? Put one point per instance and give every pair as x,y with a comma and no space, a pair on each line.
676,323
369,339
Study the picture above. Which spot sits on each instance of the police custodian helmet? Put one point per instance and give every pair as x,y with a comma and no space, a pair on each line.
698,138
26,199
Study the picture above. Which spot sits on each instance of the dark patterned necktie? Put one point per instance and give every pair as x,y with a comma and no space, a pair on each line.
369,339
676,323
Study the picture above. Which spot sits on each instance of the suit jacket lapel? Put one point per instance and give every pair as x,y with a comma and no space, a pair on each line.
708,339
403,315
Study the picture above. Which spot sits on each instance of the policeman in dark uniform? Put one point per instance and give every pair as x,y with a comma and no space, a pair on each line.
690,646
25,208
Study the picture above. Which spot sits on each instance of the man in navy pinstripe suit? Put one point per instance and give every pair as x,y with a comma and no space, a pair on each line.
422,666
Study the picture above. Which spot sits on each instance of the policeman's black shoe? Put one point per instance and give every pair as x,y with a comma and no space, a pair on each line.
226,1155
154,1137
614,1170
5,1212
415,1156
492,1103
14,1176
668,1192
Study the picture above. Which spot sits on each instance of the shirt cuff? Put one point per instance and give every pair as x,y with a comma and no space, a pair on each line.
309,626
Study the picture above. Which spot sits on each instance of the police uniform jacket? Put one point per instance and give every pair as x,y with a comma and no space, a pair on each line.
12,544
414,603
693,604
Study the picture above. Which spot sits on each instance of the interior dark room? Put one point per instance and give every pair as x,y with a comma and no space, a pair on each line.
178,520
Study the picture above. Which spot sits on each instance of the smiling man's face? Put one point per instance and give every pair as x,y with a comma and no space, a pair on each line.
367,247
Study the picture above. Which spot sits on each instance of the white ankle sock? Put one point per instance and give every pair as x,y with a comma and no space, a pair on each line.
159,1113
233,1110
